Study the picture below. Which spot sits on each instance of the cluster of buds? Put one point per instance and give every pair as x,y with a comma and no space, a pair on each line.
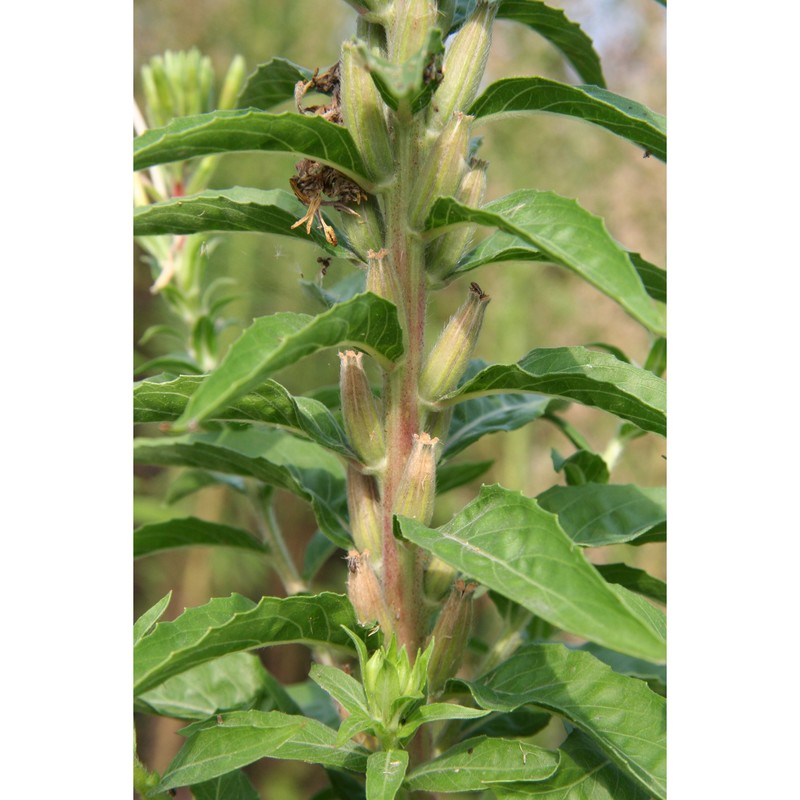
450,635
394,687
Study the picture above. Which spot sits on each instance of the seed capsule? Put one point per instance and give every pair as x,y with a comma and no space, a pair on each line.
382,278
443,169
465,62
443,253
416,492
453,349
363,503
365,593
362,421
450,635
412,21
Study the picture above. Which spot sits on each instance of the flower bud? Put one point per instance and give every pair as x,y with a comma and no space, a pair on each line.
465,62
443,169
363,228
416,492
443,253
363,503
382,278
450,635
450,355
411,22
362,421
438,578
365,592
363,112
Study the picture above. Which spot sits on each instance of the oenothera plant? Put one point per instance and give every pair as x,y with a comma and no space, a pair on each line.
389,179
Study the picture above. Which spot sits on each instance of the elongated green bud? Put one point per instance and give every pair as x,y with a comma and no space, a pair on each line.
416,492
411,21
450,636
382,278
363,227
443,253
444,168
362,421
232,84
453,349
365,593
438,578
465,62
363,112
363,503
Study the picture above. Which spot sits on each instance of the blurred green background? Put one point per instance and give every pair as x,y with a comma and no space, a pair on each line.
532,305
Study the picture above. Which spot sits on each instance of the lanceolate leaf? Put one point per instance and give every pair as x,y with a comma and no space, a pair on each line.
449,476
272,457
568,235
621,715
214,748
617,114
385,772
233,624
501,246
567,36
269,403
232,682
482,762
510,544
343,688
272,83
433,712
583,772
595,514
150,617
479,416
248,130
236,209
158,536
270,343
585,376
654,674
635,580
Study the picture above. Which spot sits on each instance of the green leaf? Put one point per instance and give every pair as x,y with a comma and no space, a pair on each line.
155,537
231,786
620,714
617,114
318,550
594,514
234,624
510,544
654,278
343,688
568,235
269,403
272,457
193,480
479,763
584,376
232,682
519,722
272,83
480,416
271,343
404,85
435,712
243,737
150,617
583,772
347,288
635,580
583,466
567,36
449,476
385,772
657,357
654,674
237,209
246,131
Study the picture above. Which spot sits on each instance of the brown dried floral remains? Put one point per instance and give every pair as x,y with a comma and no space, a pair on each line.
313,180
